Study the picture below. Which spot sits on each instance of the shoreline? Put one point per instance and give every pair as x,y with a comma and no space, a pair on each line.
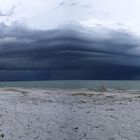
64,114
74,84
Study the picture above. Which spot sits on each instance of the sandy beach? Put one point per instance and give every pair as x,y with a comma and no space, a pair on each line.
56,114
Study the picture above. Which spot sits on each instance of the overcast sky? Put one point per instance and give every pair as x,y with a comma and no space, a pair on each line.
49,13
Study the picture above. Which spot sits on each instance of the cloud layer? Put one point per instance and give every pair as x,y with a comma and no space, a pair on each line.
69,52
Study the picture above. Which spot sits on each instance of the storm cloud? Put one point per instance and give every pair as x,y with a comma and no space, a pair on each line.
68,52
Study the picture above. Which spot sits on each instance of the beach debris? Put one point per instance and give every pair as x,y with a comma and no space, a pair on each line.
23,92
110,109
1,135
84,94
76,129
114,117
88,112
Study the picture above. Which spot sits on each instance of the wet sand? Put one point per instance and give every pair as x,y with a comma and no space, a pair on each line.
56,114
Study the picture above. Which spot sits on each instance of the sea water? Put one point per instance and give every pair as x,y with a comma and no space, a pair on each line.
75,84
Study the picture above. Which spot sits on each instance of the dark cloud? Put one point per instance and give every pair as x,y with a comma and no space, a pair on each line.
69,52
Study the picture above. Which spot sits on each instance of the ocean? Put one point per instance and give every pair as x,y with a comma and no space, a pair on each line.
75,84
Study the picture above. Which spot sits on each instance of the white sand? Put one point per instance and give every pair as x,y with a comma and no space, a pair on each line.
31,114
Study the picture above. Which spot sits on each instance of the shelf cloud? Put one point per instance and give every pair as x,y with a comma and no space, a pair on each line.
97,52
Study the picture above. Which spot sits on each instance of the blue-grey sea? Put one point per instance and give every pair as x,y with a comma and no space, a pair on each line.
75,84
